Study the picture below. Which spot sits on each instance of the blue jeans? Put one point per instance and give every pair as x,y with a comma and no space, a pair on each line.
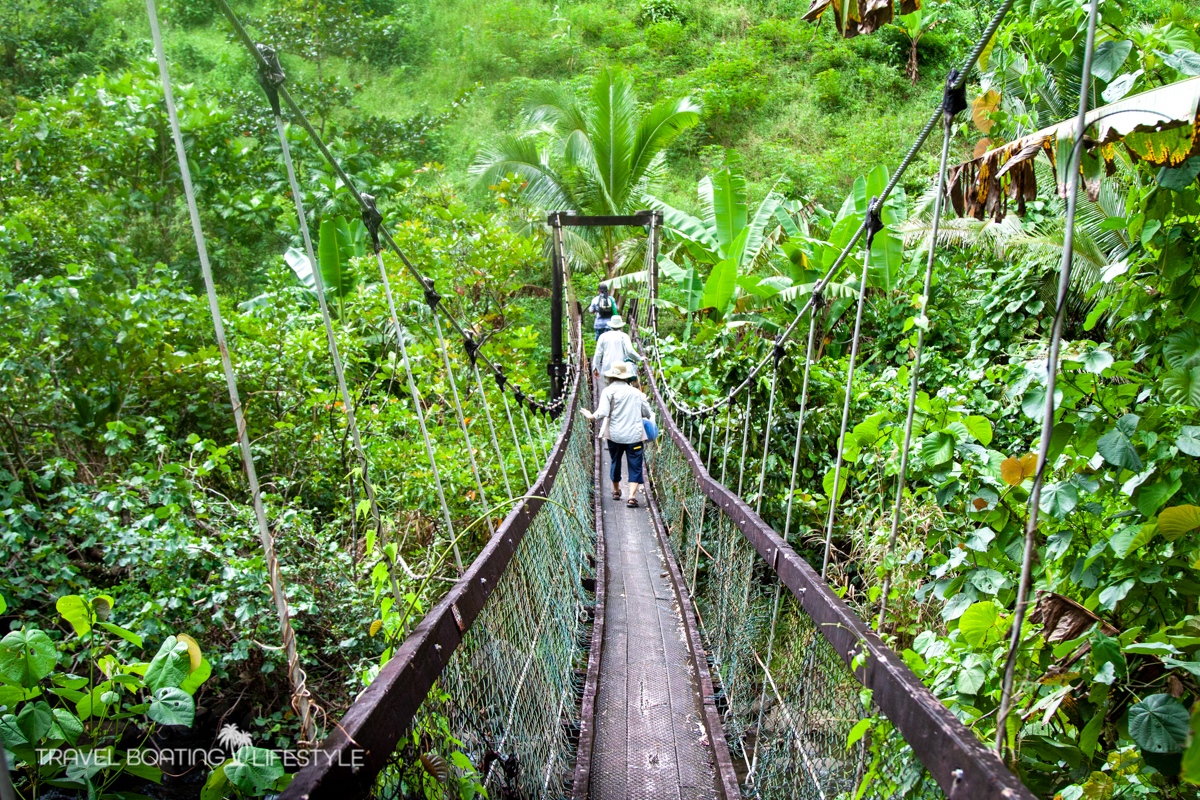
633,455
601,330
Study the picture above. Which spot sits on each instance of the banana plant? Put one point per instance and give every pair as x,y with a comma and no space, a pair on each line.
727,239
339,241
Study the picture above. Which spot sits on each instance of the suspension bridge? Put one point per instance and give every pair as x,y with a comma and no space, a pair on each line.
591,650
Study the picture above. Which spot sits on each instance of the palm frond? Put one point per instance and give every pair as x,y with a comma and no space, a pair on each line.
612,124
519,155
658,128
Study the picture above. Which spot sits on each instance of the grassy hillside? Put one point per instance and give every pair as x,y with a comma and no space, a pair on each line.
804,107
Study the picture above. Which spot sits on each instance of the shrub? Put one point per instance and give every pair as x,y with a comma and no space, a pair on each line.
654,11
829,89
191,13
664,37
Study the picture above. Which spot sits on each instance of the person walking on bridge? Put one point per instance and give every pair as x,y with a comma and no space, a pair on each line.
621,411
612,348
604,307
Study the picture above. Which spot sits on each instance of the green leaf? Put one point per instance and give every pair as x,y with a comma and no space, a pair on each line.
27,656
35,721
858,732
970,680
1090,734
68,725
827,484
980,623
172,706
1182,349
1115,593
254,770
1159,724
1034,401
217,785
197,677
77,611
3,604
937,448
170,666
125,634
335,274
718,289
1190,767
1186,62
1176,521
1188,442
1118,450
1182,386
1108,58
723,198
1059,499
1096,360
1149,498
980,428
1179,178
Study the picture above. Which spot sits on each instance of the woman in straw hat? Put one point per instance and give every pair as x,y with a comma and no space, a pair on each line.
622,408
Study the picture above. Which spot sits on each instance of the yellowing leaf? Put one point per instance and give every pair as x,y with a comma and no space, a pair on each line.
375,626
1029,465
984,105
1175,521
1010,471
193,649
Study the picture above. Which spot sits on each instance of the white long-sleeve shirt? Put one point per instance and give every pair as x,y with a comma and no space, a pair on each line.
625,407
612,348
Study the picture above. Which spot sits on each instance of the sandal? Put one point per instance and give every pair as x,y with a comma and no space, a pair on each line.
633,503
616,494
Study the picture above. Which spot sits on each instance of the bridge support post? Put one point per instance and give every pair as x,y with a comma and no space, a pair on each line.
557,368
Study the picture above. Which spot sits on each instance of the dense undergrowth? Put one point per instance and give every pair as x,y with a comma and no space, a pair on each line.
121,475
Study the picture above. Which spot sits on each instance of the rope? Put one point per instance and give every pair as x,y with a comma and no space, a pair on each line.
420,411
462,423
1064,283
835,495
906,447
301,699
959,81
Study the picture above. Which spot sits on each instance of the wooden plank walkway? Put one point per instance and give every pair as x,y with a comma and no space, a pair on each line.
650,739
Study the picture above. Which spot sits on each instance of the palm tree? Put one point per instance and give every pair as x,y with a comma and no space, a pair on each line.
598,157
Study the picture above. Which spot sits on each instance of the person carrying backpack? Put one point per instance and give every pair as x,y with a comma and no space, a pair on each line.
603,306
614,347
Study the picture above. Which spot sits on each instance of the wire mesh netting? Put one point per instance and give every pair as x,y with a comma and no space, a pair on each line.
505,712
789,704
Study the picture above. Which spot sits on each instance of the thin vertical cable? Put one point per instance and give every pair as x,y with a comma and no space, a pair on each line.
336,357
1064,283
812,329
516,439
420,411
301,700
837,469
914,379
725,449
487,412
745,441
762,473
462,423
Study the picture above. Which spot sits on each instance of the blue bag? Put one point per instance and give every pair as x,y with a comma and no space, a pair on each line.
650,428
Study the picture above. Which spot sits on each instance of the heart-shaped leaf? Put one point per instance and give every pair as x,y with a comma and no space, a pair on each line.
937,448
1182,386
1118,450
1059,499
77,611
27,656
172,706
980,428
254,770
1159,724
170,666
1182,349
1108,58
1189,440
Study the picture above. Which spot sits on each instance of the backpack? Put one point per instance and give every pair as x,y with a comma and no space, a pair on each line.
604,306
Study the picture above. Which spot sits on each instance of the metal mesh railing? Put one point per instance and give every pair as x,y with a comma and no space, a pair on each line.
508,698
789,720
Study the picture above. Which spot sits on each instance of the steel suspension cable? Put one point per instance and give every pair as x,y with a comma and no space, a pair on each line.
835,495
301,699
960,80
516,439
336,357
419,409
462,424
915,377
766,448
812,330
745,441
1064,283
487,412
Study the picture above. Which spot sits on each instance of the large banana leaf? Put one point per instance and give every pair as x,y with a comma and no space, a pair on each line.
719,288
334,250
723,198
701,241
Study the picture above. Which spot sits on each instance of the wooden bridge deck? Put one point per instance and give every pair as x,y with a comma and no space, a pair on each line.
651,736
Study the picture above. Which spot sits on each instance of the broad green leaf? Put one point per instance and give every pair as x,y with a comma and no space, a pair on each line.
937,448
1059,499
970,680
1190,766
35,721
331,255
172,706
1179,178
1096,360
980,428
858,731
718,289
1149,498
1145,534
1108,58
887,261
1188,441
254,770
979,623
1182,349
1090,734
77,611
723,198
682,225
1115,593
197,677
67,726
827,484
1118,450
1183,386
1034,401
27,656
170,666
1176,521
1159,724
1186,62
217,785
3,604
